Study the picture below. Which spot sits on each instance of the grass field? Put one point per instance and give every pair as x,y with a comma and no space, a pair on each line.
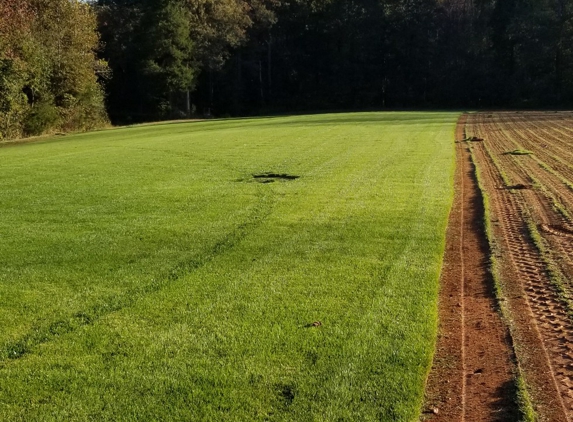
145,274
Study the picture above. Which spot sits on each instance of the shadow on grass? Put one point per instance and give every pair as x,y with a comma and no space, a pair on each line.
387,117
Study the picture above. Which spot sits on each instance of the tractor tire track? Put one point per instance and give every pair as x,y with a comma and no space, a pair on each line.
47,332
542,326
549,203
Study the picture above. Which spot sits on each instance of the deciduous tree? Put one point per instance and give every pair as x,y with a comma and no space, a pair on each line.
48,67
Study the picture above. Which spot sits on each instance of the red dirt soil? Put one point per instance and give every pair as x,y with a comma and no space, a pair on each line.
472,376
534,249
525,164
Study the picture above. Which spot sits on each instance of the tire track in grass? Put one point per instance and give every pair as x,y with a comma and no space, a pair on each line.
47,332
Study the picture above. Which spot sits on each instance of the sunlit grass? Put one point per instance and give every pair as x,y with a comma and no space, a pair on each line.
145,274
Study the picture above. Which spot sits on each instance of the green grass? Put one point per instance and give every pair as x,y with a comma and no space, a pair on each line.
519,152
146,275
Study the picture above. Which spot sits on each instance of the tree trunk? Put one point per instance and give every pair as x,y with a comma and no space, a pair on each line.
211,92
261,86
238,91
269,67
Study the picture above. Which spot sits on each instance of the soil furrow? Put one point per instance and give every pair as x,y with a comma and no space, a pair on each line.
472,376
549,203
545,141
541,323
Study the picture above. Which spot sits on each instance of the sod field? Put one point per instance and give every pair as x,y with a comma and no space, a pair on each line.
279,269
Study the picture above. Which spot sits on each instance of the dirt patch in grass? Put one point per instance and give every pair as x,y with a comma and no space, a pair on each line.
275,176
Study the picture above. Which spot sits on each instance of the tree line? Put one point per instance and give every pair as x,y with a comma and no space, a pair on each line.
68,64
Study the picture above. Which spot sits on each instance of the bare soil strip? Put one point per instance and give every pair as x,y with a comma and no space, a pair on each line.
472,376
533,248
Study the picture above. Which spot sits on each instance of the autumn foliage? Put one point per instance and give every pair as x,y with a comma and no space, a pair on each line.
48,79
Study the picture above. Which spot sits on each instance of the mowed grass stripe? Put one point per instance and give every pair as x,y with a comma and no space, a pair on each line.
147,275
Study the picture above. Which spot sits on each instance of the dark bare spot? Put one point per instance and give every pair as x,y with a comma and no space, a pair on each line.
519,186
286,392
265,177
